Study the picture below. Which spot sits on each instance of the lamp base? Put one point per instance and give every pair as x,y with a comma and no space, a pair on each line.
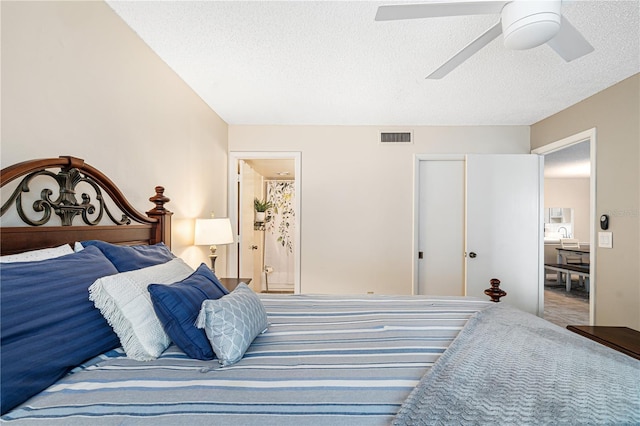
213,258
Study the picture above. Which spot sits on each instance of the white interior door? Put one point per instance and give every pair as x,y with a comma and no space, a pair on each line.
441,227
503,225
247,194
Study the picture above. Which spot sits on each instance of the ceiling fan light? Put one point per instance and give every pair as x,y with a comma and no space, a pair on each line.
527,24
527,36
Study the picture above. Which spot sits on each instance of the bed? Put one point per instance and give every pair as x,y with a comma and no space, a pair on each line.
126,333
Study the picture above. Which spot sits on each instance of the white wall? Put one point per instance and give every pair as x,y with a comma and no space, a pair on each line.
357,196
76,80
574,194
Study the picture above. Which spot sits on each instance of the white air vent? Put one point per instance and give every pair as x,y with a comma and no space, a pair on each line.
394,138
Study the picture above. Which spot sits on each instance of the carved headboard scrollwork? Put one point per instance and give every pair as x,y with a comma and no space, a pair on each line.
66,206
67,173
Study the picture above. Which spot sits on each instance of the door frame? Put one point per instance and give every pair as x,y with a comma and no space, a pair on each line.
587,135
417,158
233,197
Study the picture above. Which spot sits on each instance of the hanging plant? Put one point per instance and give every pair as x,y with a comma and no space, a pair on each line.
261,205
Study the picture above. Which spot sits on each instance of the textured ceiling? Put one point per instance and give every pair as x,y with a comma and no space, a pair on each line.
282,169
571,162
330,63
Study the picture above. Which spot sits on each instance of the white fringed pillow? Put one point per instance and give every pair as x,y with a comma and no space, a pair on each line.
35,255
125,302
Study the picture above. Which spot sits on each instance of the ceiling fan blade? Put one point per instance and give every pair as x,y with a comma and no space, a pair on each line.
569,42
437,9
471,49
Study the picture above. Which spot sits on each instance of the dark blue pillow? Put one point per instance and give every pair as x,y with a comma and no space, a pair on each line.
128,258
47,323
178,305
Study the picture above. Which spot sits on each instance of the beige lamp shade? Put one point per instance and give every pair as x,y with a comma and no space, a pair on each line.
210,232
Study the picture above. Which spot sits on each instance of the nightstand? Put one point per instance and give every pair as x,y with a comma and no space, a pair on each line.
622,339
232,283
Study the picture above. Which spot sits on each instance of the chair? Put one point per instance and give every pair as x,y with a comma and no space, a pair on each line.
571,243
572,259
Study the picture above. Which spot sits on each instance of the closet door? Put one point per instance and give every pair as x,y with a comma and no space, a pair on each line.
478,219
503,227
441,227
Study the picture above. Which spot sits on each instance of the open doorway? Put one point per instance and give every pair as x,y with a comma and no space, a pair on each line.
570,199
268,246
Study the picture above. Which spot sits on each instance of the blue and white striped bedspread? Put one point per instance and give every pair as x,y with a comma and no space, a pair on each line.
324,360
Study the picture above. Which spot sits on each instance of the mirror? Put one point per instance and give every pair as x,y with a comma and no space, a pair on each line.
558,223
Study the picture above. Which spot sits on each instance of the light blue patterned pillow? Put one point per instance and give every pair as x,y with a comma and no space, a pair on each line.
232,322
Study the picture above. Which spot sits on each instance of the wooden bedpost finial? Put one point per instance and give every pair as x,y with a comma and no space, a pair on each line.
159,199
162,215
495,292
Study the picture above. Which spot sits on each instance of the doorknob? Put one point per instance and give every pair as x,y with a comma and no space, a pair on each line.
254,247
472,255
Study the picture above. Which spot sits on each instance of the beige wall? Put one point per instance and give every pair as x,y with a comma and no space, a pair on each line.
76,80
615,113
573,194
357,196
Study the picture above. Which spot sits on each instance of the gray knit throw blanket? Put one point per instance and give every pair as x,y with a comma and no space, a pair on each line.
509,367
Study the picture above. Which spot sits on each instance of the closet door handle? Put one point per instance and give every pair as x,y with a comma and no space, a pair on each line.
472,255
254,247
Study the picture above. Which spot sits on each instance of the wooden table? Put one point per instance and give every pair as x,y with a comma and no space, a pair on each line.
622,339
232,283
578,251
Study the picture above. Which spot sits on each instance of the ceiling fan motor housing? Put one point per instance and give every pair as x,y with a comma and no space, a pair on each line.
527,24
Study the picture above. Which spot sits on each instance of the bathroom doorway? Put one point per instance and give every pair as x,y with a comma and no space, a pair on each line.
267,249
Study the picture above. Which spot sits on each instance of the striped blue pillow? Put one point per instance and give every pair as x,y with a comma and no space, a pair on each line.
129,258
177,306
47,323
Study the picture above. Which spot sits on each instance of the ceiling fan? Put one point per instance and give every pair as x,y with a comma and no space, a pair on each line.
525,24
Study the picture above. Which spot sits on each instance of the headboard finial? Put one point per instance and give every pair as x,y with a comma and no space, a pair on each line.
495,292
159,199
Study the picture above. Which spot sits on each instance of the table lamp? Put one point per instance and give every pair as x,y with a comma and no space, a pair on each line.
210,232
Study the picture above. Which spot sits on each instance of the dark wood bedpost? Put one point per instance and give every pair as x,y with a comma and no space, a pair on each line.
495,292
163,216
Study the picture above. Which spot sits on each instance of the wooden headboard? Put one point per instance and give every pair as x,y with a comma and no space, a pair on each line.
80,219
